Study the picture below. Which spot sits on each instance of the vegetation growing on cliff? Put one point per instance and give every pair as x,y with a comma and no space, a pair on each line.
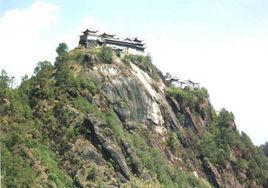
188,97
47,139
106,55
222,144
144,63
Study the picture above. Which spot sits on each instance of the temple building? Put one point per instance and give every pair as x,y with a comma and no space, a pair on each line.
90,38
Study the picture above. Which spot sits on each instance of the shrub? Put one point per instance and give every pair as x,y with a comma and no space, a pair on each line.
114,123
50,160
225,118
91,172
87,84
144,63
172,141
105,55
86,107
64,76
188,97
184,97
201,93
135,182
181,118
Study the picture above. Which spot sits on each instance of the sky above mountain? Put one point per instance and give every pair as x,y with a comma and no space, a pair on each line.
222,44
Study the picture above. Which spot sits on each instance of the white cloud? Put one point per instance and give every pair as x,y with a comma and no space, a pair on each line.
30,35
23,36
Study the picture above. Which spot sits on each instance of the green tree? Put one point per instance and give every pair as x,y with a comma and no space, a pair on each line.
5,80
42,65
64,76
225,118
62,49
42,82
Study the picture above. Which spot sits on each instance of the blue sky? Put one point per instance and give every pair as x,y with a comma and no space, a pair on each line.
222,44
208,16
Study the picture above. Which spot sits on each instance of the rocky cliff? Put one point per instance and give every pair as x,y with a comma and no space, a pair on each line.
96,119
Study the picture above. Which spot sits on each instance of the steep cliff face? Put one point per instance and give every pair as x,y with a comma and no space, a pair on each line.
98,121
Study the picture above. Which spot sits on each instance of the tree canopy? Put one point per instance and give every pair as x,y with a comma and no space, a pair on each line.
62,49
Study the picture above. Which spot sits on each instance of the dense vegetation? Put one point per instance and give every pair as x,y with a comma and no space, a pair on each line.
222,144
44,118
105,55
188,97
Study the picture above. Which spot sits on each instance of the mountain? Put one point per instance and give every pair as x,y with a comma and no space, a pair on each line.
95,119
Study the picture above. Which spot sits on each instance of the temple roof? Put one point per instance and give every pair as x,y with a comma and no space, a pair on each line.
105,35
128,43
89,31
137,40
128,39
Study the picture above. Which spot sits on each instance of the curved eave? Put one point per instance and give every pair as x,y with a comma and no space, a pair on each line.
107,35
90,31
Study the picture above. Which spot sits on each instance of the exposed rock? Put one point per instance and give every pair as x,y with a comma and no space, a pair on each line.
110,149
231,180
108,70
128,99
195,122
232,125
213,174
174,104
86,151
154,112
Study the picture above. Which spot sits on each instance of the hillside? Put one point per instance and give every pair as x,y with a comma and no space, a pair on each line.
94,119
